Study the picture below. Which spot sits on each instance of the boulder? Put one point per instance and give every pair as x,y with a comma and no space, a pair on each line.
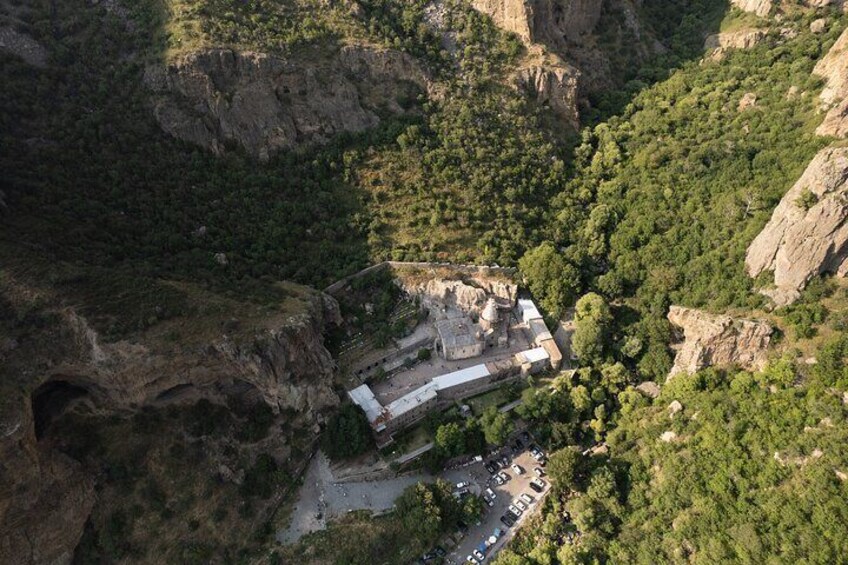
649,389
716,340
674,408
808,231
24,46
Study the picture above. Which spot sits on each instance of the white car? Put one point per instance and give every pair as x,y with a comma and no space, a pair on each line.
539,483
519,504
480,557
491,493
503,475
514,510
526,498
488,500
538,470
499,479
517,468
471,559
462,485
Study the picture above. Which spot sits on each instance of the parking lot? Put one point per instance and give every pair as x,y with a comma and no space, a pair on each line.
505,495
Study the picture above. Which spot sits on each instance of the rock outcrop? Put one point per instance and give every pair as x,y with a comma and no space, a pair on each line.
760,7
833,67
513,16
554,86
721,341
718,44
808,231
45,497
217,98
23,46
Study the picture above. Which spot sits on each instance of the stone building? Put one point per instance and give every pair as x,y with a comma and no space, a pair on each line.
459,338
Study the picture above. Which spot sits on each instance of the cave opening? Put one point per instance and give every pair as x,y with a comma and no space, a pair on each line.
49,402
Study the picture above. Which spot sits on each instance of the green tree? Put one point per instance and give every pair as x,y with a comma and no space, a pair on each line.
496,426
450,438
347,434
551,279
564,466
592,321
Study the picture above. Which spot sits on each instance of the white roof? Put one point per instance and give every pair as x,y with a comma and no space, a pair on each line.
461,377
365,399
528,310
539,330
533,355
412,400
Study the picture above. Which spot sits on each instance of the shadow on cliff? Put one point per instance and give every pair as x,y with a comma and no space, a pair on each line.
626,55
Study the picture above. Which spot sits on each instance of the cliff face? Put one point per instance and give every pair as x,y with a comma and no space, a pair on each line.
759,7
218,97
554,86
46,497
808,231
833,67
720,341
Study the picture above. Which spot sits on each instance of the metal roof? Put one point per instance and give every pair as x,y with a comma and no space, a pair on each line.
533,355
363,397
412,400
462,376
528,310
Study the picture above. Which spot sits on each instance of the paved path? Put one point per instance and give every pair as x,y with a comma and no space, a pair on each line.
322,498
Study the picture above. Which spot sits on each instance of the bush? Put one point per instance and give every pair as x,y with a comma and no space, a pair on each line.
347,434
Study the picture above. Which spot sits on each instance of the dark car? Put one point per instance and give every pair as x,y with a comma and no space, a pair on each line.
504,461
490,468
439,551
512,515
507,521
536,487
525,437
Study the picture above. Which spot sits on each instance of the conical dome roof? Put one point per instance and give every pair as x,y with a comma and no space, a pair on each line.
490,312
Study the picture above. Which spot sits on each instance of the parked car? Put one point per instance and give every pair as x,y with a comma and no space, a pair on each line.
538,470
519,470
504,461
514,509
472,559
462,484
499,479
525,437
539,483
512,514
478,555
504,475
488,501
520,505
526,498
490,468
491,494
536,487
507,521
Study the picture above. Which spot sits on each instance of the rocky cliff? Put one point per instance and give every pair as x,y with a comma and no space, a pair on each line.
718,44
721,341
833,67
553,85
759,7
808,231
218,98
45,497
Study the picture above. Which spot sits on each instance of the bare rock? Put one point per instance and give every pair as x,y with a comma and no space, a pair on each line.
833,67
668,436
514,16
555,87
45,497
674,408
722,341
808,231
23,46
720,43
818,26
760,7
649,389
219,97
748,101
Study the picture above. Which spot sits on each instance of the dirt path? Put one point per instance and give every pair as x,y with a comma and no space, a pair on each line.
321,498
